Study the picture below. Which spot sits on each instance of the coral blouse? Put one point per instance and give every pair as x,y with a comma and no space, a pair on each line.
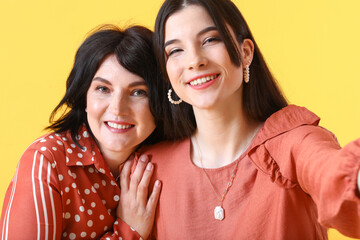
60,191
293,182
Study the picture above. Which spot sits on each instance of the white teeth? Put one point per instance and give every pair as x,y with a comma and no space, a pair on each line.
118,126
202,80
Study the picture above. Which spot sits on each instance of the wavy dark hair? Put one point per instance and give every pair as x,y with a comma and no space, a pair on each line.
261,96
133,48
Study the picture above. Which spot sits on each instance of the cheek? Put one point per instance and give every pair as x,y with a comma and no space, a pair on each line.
173,71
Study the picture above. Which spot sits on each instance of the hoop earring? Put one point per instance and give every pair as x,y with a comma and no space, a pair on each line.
171,100
247,74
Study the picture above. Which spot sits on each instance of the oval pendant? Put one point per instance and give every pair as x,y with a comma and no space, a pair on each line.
219,213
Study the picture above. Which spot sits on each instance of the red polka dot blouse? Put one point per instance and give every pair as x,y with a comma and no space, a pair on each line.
61,191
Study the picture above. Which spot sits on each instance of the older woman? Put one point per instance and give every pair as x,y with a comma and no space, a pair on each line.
66,183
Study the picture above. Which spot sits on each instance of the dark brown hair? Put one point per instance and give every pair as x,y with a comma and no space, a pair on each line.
261,96
133,48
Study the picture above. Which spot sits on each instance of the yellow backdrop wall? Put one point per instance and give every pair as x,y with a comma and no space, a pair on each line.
311,46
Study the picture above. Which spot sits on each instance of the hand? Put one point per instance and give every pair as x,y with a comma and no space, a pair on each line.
135,207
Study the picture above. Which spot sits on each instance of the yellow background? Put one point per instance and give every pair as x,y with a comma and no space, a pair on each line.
312,47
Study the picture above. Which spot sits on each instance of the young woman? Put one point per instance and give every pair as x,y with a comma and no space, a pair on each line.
66,183
244,165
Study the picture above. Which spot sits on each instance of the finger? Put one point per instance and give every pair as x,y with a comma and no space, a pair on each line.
143,188
137,174
125,176
153,199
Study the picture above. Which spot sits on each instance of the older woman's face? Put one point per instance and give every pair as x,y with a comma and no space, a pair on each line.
117,108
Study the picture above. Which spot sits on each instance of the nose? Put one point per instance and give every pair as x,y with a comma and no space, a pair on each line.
119,104
196,59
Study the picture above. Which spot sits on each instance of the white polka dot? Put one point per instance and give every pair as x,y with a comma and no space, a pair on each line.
83,234
116,222
103,183
59,142
92,159
78,137
79,163
61,177
73,145
116,198
43,148
116,232
42,140
77,218
67,215
67,159
102,170
79,155
113,183
93,189
96,185
105,228
109,211
67,189
73,175
69,150
107,238
93,204
53,165
83,201
64,234
54,148
73,185
90,223
61,193
101,217
84,149
120,238
89,211
64,138
104,202
51,136
93,235
91,170
81,208
93,152
69,172
132,229
86,134
68,202
87,191
72,236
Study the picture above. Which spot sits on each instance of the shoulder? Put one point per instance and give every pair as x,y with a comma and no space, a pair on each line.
166,149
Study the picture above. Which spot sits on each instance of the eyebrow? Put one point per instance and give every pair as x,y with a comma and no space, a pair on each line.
205,30
133,84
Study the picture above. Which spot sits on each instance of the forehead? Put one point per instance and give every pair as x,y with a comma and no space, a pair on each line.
111,70
189,20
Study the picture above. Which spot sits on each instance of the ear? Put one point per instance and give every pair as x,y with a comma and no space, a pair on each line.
247,50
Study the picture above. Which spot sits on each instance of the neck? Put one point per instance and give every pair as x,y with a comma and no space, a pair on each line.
222,135
115,159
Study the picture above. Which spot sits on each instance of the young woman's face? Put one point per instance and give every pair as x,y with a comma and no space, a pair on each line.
198,64
117,108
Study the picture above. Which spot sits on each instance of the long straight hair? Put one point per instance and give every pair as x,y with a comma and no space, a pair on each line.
261,96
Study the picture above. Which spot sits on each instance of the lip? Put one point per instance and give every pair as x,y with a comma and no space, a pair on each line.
206,84
118,130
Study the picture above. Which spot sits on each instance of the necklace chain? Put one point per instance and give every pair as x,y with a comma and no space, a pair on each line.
230,182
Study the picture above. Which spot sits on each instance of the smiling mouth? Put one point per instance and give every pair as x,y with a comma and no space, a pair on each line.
119,126
203,80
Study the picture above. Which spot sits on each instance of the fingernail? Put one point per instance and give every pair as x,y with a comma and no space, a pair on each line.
143,158
149,166
157,183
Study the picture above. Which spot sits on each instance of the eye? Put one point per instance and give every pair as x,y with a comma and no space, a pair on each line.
139,93
102,89
173,51
209,40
